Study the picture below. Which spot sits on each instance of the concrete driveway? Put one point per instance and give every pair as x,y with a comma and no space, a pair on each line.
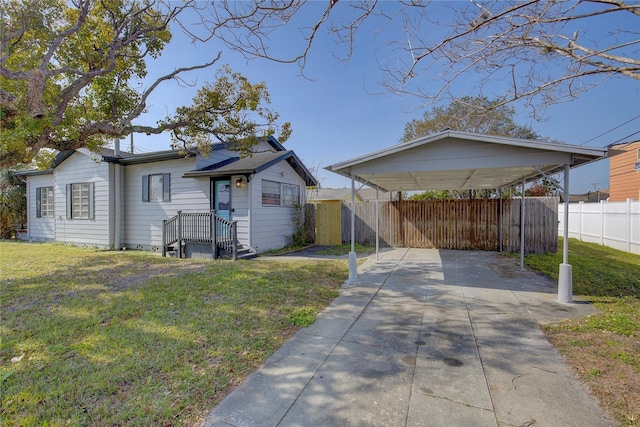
424,338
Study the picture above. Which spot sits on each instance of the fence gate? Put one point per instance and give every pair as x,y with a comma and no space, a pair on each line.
328,224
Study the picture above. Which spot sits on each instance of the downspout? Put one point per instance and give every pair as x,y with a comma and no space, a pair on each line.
118,220
28,185
250,213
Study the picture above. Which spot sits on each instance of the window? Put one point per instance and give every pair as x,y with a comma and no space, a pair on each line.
279,194
290,195
44,202
156,188
270,193
80,201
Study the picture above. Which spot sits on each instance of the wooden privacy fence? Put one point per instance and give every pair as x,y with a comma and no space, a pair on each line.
455,224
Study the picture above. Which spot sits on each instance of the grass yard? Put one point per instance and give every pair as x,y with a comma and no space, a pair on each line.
130,338
344,249
604,349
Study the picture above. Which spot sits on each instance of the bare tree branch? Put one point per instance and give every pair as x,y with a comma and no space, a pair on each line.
496,41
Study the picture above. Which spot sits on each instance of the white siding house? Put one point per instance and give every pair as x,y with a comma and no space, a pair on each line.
120,200
143,219
41,219
272,224
81,193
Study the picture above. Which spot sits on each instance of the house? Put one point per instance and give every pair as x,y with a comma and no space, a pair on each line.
118,200
595,196
624,171
337,195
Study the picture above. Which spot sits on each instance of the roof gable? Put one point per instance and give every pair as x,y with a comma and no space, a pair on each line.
254,164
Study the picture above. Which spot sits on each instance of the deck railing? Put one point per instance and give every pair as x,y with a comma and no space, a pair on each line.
201,227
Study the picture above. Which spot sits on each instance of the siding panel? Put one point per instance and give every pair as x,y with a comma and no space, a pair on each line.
40,229
272,226
624,181
240,206
82,167
143,220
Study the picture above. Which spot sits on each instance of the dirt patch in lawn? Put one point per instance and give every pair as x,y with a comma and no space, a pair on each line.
122,282
606,362
111,273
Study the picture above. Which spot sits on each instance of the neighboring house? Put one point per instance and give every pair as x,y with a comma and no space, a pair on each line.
624,171
119,200
589,197
328,195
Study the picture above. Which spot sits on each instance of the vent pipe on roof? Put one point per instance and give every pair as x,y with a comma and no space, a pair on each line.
116,147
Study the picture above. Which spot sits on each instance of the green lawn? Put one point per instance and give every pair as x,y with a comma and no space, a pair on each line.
344,249
130,338
604,348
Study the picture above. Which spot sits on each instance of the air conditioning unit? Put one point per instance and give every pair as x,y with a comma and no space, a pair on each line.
637,166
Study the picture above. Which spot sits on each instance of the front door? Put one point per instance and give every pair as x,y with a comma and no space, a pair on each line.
222,198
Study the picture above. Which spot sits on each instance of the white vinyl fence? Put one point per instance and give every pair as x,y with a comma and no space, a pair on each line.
613,224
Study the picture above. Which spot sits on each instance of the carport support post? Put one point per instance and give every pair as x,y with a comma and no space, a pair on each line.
353,261
522,228
565,279
500,233
390,219
377,225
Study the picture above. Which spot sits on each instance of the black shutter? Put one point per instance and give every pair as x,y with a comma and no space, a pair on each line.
145,188
92,210
69,198
38,202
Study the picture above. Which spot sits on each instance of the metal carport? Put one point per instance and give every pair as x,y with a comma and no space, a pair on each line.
452,160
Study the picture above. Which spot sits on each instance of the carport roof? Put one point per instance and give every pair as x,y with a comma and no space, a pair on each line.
452,160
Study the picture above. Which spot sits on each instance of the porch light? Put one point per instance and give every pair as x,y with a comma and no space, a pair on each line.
239,183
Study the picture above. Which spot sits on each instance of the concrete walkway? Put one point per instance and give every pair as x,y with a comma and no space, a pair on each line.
424,338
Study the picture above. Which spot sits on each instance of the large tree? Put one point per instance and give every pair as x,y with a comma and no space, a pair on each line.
72,75
13,203
537,51
469,114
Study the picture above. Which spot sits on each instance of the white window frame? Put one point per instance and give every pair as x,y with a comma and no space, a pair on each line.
80,203
290,194
44,202
156,187
287,195
273,197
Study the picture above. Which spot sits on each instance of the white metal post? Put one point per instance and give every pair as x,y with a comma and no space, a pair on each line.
501,220
629,200
522,211
390,219
565,279
353,262
377,224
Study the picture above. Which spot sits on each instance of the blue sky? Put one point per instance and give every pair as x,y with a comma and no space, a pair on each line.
343,112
